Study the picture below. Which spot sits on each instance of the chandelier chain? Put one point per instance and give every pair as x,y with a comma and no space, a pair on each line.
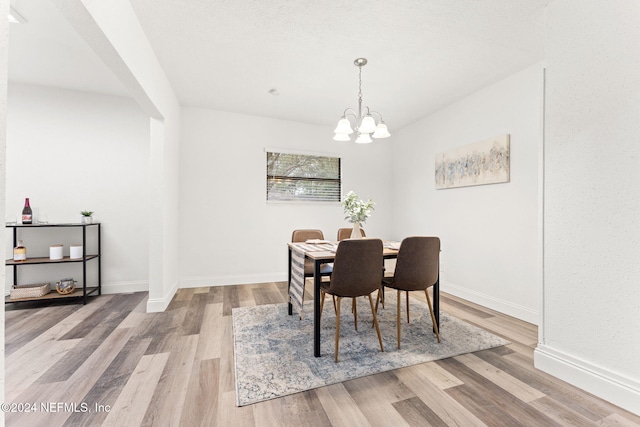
360,84
359,90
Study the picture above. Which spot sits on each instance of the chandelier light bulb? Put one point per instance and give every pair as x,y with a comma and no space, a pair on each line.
344,127
381,131
368,125
363,138
341,137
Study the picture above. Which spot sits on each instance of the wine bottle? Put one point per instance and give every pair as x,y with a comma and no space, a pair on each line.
19,252
27,215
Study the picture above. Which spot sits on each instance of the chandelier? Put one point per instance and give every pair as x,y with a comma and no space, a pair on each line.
364,123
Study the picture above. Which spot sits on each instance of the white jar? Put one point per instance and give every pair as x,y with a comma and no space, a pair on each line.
55,252
75,252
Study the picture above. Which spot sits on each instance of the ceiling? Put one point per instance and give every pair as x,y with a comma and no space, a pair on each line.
228,54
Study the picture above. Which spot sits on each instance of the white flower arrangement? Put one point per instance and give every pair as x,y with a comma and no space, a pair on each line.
356,210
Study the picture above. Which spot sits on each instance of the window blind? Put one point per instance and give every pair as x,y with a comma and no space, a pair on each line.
300,177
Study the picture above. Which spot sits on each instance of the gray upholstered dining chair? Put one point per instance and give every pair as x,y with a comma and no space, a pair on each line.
345,233
302,236
417,269
356,272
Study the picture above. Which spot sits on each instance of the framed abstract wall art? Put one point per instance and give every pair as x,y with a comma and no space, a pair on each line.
484,162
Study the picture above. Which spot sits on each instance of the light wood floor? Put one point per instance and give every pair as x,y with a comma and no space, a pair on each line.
176,369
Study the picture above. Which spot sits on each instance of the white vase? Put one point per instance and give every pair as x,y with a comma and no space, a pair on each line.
87,219
356,233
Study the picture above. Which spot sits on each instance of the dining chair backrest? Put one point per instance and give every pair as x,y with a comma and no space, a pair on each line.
345,233
357,268
417,266
304,235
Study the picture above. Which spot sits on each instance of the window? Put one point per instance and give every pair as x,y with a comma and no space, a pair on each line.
300,177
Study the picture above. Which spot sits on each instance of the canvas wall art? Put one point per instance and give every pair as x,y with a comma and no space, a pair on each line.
484,162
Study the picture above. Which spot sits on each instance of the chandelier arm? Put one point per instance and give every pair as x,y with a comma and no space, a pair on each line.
375,112
349,112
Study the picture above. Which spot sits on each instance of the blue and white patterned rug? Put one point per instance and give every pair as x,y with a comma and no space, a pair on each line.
274,351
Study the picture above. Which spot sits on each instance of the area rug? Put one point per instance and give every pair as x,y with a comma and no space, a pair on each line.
274,351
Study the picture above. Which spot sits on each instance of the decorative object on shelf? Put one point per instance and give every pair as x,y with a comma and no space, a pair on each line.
75,252
20,252
55,252
29,291
27,213
357,211
87,217
42,218
484,162
66,286
365,124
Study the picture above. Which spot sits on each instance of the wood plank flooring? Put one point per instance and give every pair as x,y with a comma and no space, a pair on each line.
110,363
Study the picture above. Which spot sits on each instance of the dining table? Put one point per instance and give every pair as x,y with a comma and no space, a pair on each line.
324,252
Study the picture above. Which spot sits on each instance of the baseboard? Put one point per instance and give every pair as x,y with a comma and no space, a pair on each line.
158,305
503,306
125,287
197,282
621,391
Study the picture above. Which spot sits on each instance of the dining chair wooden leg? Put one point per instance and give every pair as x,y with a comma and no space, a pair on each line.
433,317
322,294
333,297
375,322
398,322
377,301
407,306
355,312
337,328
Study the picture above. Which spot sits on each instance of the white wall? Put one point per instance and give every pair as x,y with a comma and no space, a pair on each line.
489,233
4,41
70,151
229,234
591,328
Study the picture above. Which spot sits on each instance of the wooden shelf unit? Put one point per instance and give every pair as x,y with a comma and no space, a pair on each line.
80,293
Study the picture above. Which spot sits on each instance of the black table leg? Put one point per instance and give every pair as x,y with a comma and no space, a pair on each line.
316,308
289,285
